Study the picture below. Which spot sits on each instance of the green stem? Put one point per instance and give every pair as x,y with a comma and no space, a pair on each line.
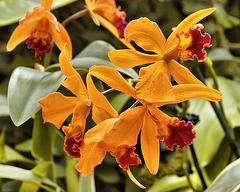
209,64
222,120
47,59
75,16
195,160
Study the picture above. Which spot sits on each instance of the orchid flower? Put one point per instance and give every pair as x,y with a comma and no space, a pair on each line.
106,13
185,42
56,107
41,26
122,132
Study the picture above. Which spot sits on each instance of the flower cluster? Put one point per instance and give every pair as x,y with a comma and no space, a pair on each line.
118,133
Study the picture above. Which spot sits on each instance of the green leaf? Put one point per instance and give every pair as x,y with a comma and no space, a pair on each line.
43,138
97,49
209,133
87,62
72,180
3,158
87,184
3,106
220,54
13,155
95,53
15,173
13,10
228,180
26,87
119,101
169,183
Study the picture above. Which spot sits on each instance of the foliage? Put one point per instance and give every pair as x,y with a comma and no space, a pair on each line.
32,154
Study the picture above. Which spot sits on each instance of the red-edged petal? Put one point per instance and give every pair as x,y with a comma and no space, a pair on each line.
73,140
171,131
178,133
125,156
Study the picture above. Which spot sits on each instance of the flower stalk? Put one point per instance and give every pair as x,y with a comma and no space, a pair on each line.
75,16
221,119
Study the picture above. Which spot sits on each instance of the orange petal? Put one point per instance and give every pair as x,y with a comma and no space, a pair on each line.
110,3
20,34
73,84
190,91
150,144
46,4
181,74
93,16
112,78
101,108
134,180
154,83
126,129
61,38
92,154
129,58
56,108
97,133
186,24
146,34
68,70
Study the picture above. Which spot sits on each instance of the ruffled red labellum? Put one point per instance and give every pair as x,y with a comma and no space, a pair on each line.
73,140
179,133
193,43
125,156
39,40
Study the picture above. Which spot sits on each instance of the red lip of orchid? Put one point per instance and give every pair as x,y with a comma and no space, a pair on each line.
41,26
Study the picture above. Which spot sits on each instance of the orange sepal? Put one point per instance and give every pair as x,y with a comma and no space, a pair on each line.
56,108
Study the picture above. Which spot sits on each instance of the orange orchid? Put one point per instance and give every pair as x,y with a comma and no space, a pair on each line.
106,13
41,26
122,132
185,42
56,107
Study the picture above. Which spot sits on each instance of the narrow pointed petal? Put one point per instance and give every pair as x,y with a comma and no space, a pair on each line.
126,129
134,180
46,4
61,38
154,83
186,24
68,70
20,34
185,92
56,108
73,84
93,16
112,78
129,58
146,34
97,133
101,108
181,74
110,3
150,144
92,154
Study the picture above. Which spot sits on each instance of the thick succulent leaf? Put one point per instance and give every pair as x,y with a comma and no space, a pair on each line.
15,173
97,49
87,62
228,180
26,87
